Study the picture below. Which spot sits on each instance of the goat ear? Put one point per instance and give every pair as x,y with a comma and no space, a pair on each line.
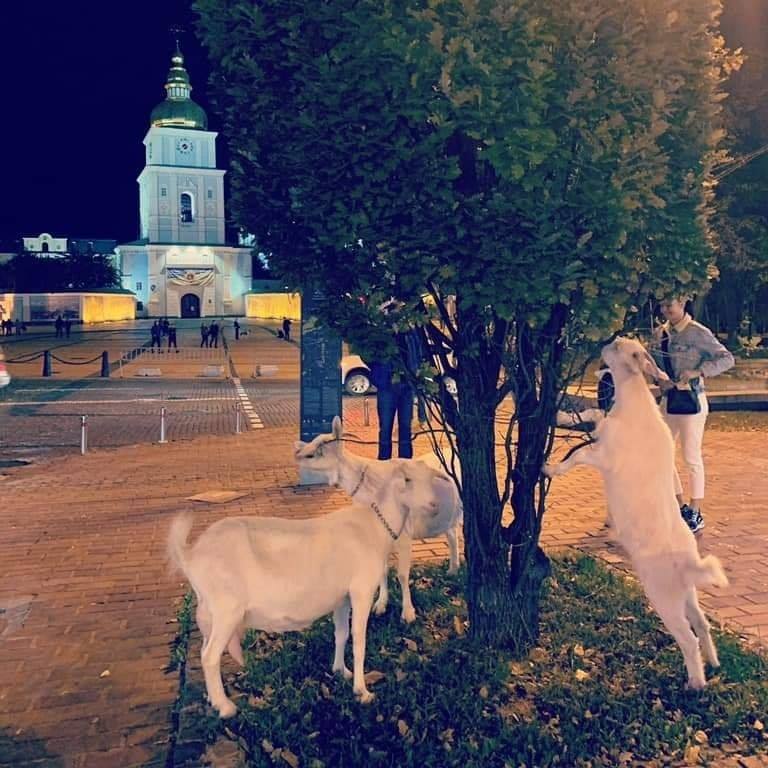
398,480
337,428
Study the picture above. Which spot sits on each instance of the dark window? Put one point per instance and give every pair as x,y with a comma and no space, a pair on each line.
45,247
163,192
185,208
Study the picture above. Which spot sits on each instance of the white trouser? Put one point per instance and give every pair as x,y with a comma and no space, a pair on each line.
691,432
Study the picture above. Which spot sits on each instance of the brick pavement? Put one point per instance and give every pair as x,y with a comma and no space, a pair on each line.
86,590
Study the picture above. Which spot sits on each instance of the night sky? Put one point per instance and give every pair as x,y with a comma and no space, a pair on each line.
78,80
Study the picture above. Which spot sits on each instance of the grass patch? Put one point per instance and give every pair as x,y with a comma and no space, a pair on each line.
604,687
180,643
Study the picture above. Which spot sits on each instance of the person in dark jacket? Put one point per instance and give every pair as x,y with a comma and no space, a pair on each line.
395,395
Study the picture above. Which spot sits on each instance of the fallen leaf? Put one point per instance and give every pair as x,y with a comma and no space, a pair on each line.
578,649
518,668
267,746
325,691
581,675
538,654
373,677
105,673
484,692
700,737
458,625
625,618
400,675
691,755
290,758
410,644
625,757
402,726
758,725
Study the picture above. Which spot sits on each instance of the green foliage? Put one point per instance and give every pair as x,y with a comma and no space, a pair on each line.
30,273
604,686
520,155
180,643
741,222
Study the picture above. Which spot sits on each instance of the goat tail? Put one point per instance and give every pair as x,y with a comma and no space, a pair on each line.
177,541
709,571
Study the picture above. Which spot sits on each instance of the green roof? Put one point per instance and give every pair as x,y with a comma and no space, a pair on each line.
178,110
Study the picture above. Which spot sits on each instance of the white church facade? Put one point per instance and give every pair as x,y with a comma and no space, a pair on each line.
182,266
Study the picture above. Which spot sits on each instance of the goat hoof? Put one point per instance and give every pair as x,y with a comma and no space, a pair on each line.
695,685
366,697
453,569
344,672
379,608
226,709
408,615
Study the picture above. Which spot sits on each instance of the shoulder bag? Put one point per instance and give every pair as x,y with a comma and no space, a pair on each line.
680,402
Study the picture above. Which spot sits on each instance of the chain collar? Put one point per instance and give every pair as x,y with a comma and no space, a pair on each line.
359,482
390,531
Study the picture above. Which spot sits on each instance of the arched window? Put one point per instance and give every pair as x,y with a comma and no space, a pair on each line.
45,247
186,211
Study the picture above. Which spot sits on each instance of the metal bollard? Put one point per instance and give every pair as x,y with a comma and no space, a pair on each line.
366,412
162,426
105,364
237,419
47,363
83,434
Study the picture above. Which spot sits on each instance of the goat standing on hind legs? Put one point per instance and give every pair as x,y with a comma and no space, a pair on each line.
635,454
280,575
364,478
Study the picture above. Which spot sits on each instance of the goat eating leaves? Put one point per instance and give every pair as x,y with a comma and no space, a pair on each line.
635,453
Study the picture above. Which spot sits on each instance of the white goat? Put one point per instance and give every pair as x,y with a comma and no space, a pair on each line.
280,575
635,454
364,478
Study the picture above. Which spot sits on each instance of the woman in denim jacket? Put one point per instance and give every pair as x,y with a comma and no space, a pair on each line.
694,353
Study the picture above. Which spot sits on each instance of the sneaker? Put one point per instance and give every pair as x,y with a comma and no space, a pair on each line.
692,517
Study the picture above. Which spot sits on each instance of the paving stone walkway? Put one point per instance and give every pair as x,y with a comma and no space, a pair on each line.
87,606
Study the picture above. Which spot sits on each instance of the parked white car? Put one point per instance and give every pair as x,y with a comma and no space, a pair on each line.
5,377
355,375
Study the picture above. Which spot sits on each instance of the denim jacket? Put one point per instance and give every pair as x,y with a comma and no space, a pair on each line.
693,347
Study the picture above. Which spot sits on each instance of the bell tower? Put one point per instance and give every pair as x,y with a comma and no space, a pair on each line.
181,192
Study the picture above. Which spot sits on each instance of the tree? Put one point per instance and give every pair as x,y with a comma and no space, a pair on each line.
540,167
741,221
32,273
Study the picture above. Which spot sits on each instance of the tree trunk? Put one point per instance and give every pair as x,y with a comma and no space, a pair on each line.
492,613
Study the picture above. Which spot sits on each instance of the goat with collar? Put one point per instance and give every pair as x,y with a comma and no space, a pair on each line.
364,478
634,452
280,575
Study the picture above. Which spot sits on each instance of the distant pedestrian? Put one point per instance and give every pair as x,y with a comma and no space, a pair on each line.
214,335
172,336
156,333
59,325
237,330
165,325
67,327
10,327
204,335
286,329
